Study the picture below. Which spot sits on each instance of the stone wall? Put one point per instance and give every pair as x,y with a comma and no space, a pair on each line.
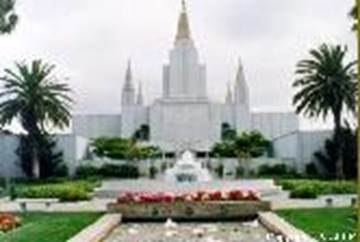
8,158
94,126
295,149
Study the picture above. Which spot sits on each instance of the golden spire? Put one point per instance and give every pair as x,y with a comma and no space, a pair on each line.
183,32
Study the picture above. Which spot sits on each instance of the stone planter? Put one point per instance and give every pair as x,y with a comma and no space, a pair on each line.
185,211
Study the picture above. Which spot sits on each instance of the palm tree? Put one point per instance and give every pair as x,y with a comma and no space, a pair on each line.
354,15
8,18
326,85
32,95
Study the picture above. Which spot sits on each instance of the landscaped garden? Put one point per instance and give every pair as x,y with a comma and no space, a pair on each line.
31,95
324,224
46,227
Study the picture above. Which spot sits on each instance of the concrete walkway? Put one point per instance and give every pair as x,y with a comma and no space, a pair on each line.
95,205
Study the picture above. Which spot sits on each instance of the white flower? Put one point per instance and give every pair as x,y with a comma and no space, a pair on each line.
198,231
170,224
171,233
132,231
254,224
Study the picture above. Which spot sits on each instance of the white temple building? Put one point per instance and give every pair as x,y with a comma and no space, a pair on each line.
184,116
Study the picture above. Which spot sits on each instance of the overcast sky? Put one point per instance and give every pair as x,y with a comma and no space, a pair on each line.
90,42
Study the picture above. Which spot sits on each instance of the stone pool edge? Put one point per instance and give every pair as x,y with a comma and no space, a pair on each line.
280,227
99,230
274,224
184,211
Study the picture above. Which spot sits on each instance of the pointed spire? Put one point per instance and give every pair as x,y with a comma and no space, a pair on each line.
240,72
128,92
183,31
183,3
128,77
229,97
140,97
241,91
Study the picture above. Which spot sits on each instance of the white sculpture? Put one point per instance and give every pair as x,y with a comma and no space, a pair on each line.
187,169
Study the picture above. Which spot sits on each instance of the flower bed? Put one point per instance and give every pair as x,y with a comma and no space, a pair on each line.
203,205
199,196
8,222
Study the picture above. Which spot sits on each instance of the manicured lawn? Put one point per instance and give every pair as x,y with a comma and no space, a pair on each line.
49,227
326,221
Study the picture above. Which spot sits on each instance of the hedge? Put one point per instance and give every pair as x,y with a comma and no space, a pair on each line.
315,188
109,171
65,192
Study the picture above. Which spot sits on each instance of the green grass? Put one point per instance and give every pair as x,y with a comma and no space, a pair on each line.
49,227
326,221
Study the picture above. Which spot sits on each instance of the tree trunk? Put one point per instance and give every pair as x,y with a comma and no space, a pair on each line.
35,161
34,142
340,142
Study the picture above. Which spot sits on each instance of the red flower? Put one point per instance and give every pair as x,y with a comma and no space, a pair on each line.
166,197
8,222
215,196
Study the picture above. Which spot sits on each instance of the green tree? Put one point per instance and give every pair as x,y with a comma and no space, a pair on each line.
227,132
250,145
244,147
123,149
8,17
143,133
326,85
51,159
32,95
327,157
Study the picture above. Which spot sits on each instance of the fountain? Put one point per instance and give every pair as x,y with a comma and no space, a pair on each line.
187,169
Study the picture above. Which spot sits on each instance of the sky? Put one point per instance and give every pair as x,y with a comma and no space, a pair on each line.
90,42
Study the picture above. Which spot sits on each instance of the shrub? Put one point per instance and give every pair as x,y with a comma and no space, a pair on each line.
220,171
319,187
87,171
279,170
108,171
163,167
65,192
119,171
328,156
311,170
304,191
50,158
153,172
240,172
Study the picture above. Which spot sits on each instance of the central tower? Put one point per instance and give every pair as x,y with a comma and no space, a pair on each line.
183,117
184,77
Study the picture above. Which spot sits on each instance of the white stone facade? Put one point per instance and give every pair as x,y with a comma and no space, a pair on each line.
184,116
